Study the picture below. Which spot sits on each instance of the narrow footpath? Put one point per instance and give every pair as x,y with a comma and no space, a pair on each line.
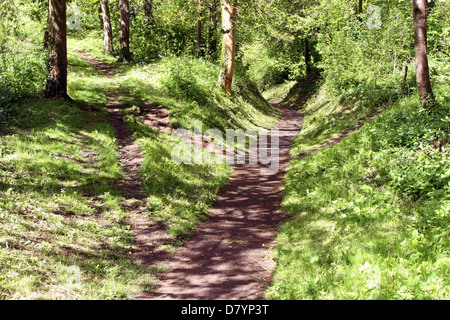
228,256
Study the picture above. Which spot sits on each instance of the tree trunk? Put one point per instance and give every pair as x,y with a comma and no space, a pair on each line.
420,46
124,34
56,43
199,37
107,28
360,6
212,41
148,10
307,56
229,11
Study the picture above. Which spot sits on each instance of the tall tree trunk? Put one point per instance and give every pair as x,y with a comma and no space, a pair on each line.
212,41
199,37
124,34
148,10
229,11
100,15
420,46
307,56
107,28
56,43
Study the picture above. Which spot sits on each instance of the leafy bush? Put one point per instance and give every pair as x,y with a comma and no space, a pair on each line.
22,58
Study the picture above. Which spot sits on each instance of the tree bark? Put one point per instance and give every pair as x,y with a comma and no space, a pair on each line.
199,37
56,43
405,74
107,28
420,47
229,11
148,10
212,41
307,56
360,6
124,34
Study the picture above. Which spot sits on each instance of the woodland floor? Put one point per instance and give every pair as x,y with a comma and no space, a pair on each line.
228,256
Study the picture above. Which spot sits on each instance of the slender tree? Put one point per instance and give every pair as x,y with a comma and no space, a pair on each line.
199,30
56,44
124,34
100,15
107,28
420,46
148,11
213,26
307,56
229,14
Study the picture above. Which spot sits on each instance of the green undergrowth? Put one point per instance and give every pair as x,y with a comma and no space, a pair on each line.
63,233
187,88
328,115
370,215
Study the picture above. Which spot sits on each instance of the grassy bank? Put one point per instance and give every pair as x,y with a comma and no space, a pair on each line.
63,231
370,215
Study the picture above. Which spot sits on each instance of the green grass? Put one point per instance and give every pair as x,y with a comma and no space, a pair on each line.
57,171
189,91
279,92
370,215
327,115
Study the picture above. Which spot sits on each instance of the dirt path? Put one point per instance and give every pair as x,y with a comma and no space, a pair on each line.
227,257
149,233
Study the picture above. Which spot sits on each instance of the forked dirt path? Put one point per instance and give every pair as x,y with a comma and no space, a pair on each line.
149,233
227,257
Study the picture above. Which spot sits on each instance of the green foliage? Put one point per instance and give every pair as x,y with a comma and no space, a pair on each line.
22,60
361,58
57,174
